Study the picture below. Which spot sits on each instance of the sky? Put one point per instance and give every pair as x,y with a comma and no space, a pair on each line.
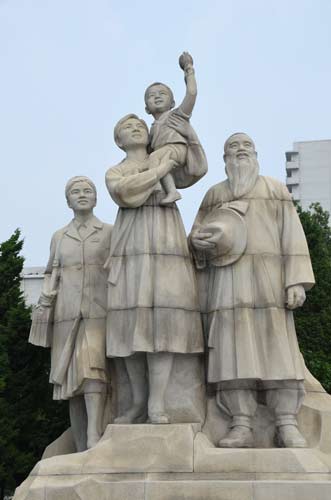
70,69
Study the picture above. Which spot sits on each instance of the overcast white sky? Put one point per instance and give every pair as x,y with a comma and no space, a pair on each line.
71,68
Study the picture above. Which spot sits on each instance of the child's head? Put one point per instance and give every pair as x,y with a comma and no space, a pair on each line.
158,98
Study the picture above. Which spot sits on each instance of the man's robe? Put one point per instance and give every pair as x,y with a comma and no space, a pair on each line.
251,334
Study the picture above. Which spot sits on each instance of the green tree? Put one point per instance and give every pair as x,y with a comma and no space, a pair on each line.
29,418
313,320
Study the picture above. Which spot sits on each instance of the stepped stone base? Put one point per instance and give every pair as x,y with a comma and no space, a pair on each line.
181,462
177,461
148,487
130,449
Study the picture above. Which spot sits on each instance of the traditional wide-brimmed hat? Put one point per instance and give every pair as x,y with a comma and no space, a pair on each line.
229,233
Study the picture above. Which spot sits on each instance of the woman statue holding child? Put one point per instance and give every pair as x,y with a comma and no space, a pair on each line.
153,309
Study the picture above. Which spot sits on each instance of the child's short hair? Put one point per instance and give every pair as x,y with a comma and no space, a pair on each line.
120,124
163,85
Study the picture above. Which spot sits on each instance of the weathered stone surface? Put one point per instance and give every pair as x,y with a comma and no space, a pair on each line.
81,488
29,489
187,374
208,458
107,487
130,448
153,305
199,490
292,490
63,445
253,269
71,317
90,489
144,448
216,424
158,460
314,420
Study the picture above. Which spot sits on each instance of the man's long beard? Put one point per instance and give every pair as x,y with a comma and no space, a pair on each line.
242,174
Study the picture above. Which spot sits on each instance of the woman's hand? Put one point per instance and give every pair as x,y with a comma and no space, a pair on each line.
152,162
167,163
179,124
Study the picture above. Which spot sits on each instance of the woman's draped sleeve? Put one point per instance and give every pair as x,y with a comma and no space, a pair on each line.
196,165
129,187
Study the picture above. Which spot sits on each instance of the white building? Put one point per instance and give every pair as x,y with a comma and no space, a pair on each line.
31,284
308,173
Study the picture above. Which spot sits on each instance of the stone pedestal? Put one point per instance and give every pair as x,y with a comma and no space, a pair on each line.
169,462
129,449
151,487
181,462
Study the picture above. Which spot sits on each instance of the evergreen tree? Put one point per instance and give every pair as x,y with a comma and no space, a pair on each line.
313,320
29,419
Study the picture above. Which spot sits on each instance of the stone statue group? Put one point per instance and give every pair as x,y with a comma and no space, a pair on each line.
143,292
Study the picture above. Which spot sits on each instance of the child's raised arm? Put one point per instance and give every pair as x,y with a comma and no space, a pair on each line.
186,63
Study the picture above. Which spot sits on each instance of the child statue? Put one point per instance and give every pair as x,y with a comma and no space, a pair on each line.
184,150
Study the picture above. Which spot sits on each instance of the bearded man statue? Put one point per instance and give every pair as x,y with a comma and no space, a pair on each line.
248,242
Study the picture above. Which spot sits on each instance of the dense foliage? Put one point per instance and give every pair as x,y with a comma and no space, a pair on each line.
29,418
313,320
